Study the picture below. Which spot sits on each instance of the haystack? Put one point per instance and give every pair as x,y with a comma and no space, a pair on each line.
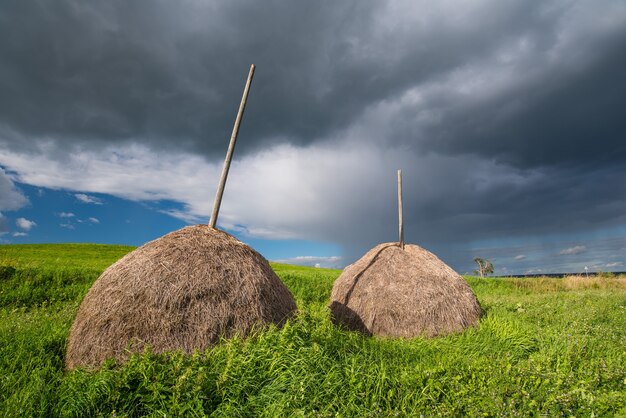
399,292
183,291
402,290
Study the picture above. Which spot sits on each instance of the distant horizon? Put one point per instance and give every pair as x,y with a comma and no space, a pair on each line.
492,275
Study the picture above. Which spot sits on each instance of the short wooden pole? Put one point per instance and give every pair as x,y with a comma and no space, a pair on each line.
231,147
400,224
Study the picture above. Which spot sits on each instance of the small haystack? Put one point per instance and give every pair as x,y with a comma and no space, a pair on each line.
402,290
403,293
183,291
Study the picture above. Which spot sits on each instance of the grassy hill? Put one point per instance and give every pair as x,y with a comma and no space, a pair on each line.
555,347
77,256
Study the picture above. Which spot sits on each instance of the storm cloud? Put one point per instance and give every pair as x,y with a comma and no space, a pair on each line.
506,117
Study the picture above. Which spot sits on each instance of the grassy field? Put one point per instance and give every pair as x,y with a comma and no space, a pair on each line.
551,347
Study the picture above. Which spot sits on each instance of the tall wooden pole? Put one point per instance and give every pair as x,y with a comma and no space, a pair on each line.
400,224
231,148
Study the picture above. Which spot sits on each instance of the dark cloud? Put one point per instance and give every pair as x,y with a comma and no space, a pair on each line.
569,116
87,73
448,206
167,74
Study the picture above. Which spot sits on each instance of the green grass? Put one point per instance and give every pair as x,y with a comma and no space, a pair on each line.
544,347
80,256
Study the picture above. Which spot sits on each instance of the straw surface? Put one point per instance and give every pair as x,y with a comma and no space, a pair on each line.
403,293
183,291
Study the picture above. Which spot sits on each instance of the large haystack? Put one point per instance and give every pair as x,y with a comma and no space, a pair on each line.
180,292
403,293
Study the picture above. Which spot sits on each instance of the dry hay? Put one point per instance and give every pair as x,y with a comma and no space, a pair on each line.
183,291
403,293
573,282
568,283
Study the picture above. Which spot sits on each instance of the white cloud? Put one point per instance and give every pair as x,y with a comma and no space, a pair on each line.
519,257
88,199
19,234
183,216
10,197
25,224
615,264
93,220
66,215
281,172
578,249
4,228
67,226
328,192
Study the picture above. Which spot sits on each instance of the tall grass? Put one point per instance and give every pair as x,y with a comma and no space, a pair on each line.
544,347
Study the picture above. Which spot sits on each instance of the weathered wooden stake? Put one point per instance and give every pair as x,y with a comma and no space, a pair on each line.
401,226
231,148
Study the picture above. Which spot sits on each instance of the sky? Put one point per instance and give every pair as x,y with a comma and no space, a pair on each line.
507,119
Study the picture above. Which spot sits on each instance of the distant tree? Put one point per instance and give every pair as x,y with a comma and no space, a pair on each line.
484,267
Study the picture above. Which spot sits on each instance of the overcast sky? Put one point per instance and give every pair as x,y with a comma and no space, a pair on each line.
506,117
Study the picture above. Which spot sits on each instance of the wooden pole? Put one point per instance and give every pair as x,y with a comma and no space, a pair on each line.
400,226
231,147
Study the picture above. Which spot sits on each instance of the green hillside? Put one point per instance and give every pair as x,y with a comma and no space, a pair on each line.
81,256
553,347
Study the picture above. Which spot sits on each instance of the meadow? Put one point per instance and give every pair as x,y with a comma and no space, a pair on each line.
544,347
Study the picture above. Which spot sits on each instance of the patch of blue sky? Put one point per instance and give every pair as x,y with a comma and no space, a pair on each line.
71,216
